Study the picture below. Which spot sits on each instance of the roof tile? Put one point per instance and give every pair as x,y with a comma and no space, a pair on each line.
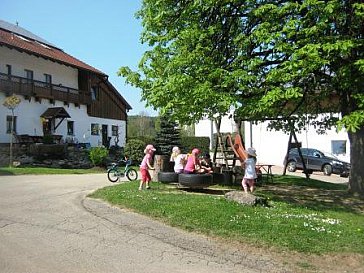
46,51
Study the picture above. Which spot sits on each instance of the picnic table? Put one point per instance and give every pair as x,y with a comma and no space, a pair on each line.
266,170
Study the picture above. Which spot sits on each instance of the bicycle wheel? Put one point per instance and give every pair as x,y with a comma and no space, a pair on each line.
132,174
113,175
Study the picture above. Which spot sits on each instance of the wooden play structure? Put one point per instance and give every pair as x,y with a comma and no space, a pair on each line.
230,154
228,151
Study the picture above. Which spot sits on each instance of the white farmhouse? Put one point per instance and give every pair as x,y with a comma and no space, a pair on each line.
59,94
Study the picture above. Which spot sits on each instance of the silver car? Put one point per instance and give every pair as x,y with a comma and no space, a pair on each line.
316,160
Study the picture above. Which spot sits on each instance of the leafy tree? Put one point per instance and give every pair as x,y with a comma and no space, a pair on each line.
294,61
141,125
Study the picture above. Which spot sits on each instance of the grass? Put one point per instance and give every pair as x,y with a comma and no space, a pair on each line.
38,170
303,214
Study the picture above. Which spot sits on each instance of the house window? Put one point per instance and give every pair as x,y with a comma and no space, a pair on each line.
29,74
114,130
48,79
338,147
94,129
70,127
8,69
8,124
94,93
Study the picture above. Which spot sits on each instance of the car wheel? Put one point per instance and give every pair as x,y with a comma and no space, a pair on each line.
291,166
327,169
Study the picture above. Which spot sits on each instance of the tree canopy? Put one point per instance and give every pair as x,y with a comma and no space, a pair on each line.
265,58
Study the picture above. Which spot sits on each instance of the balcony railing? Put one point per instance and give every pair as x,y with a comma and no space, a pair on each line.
31,88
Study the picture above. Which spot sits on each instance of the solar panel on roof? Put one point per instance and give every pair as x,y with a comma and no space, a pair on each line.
23,32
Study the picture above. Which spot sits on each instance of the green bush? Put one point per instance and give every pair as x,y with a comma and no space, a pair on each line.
116,152
134,150
48,139
98,155
202,143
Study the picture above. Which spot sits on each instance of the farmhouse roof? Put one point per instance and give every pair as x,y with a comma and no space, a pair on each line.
18,38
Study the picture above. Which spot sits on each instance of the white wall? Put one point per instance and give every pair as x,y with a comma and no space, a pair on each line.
29,122
61,74
272,146
207,128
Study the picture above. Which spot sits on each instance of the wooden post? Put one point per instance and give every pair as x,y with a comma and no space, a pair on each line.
295,145
161,164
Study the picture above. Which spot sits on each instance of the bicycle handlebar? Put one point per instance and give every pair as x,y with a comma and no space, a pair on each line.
127,161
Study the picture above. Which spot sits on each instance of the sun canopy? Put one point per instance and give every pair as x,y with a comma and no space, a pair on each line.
55,112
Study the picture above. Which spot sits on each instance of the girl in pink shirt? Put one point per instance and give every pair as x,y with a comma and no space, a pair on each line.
192,162
145,166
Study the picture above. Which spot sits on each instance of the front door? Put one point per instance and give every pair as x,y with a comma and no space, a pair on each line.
104,136
47,126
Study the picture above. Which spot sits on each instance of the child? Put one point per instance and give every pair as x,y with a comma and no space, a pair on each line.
193,163
175,152
145,165
178,159
206,163
250,173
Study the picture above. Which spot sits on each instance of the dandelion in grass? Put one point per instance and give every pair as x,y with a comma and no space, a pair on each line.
237,218
332,221
321,224
313,221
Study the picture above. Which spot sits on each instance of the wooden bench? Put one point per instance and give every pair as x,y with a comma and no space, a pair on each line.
266,171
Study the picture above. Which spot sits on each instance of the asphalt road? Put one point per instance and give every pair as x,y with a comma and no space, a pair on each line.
48,225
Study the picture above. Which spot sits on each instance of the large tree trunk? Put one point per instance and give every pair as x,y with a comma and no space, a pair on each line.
356,180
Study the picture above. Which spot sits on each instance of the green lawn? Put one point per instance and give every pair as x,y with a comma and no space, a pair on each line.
307,216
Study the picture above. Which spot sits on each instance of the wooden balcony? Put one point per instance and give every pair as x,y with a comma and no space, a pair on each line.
30,88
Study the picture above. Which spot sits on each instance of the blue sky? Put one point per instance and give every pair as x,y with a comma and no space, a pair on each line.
103,34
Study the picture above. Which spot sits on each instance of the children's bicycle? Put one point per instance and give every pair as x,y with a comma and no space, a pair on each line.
120,169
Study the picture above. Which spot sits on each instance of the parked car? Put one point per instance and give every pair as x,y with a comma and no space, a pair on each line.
316,160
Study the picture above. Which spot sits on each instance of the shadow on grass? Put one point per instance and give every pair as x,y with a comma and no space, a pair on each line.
313,194
312,183
4,173
206,191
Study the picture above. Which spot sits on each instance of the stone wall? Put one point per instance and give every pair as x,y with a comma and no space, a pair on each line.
66,157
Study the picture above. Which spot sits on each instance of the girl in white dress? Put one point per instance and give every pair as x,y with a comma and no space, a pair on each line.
250,173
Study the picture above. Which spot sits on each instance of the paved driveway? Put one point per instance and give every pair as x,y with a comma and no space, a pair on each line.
47,225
